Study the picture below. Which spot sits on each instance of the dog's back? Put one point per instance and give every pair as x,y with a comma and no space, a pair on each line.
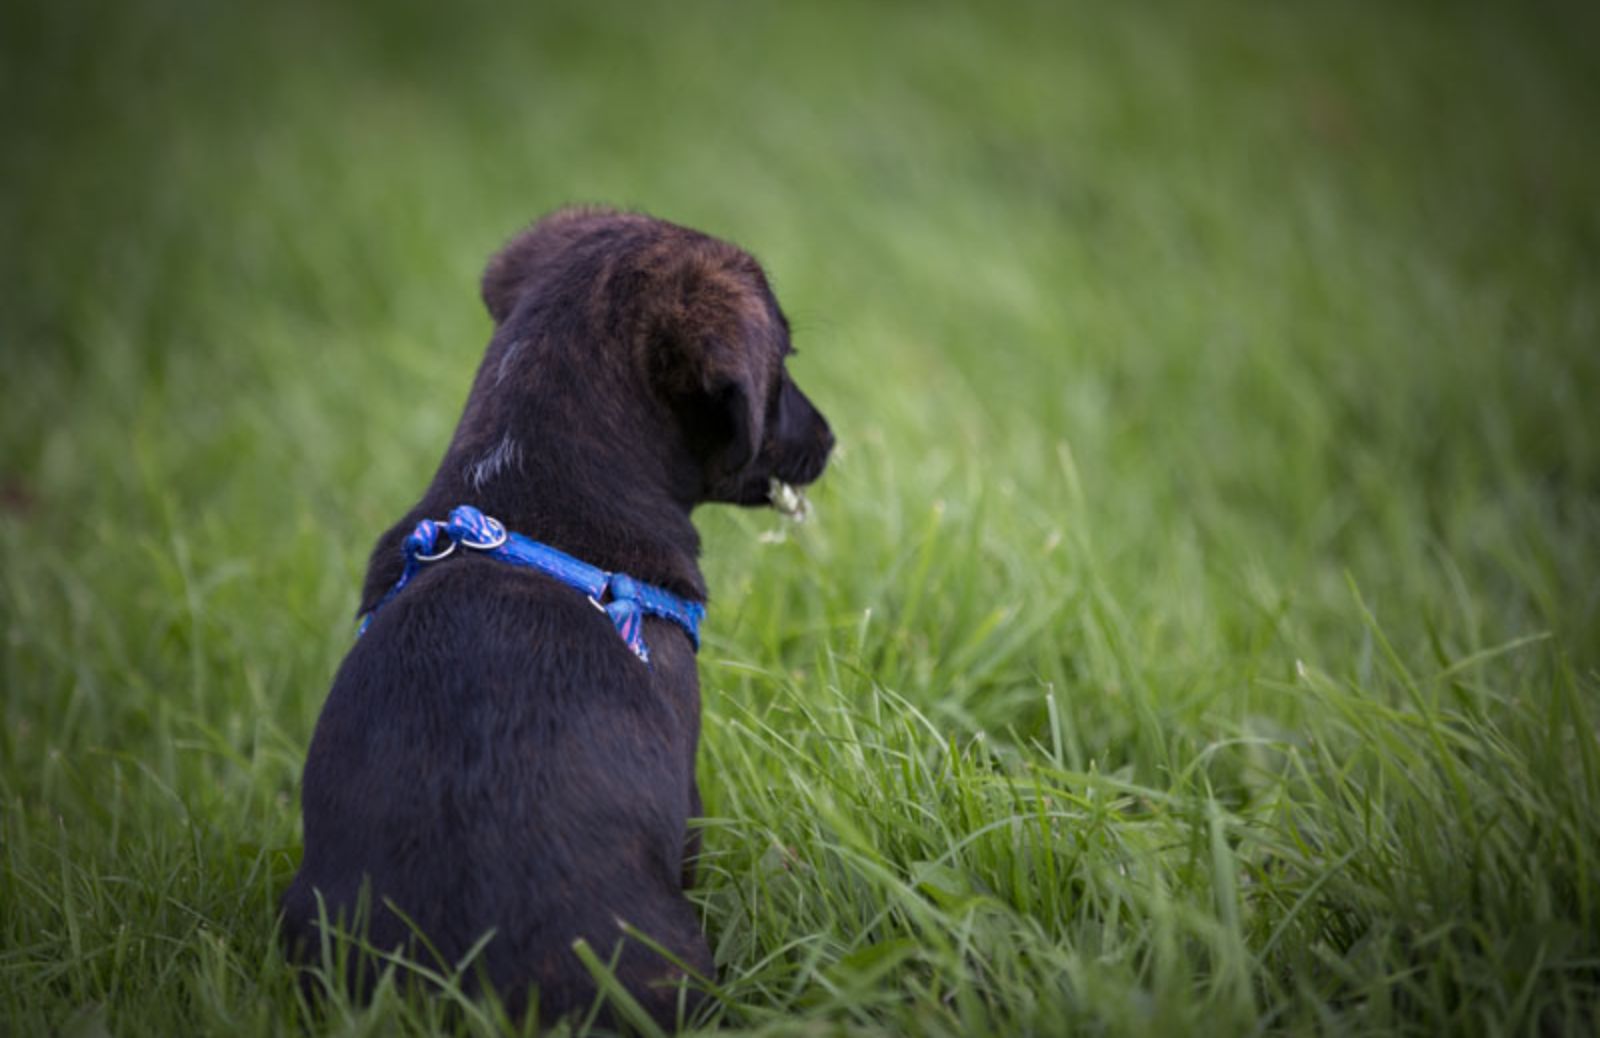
492,758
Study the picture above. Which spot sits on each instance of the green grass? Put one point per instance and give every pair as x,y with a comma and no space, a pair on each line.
1200,631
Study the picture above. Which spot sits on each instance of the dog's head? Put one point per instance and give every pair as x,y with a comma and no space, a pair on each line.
687,321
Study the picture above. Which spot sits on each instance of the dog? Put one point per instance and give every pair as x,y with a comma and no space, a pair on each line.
493,758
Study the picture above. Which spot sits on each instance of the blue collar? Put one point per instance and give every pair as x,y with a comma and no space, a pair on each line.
625,600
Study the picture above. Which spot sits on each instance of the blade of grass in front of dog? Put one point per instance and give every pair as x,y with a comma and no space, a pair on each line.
692,975
612,988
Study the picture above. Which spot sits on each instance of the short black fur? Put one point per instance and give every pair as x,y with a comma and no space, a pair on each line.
491,755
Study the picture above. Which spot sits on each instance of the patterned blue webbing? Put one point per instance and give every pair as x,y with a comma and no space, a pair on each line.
625,600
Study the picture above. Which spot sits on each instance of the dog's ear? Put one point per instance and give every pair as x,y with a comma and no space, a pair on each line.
711,361
507,270
531,253
736,410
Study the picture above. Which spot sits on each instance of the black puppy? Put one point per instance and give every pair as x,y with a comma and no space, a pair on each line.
492,755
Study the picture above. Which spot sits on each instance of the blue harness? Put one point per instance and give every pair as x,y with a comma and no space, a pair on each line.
625,600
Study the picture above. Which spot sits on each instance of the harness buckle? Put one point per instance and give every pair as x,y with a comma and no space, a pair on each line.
497,536
449,546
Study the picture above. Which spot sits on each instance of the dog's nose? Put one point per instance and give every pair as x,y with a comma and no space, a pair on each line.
826,441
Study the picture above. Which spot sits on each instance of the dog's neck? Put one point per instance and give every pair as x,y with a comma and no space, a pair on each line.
610,502
604,502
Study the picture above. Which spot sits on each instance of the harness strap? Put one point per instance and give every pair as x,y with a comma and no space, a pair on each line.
625,600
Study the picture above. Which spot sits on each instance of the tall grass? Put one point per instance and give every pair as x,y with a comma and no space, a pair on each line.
1200,629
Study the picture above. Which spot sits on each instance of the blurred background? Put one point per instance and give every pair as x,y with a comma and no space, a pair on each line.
1150,331
1302,291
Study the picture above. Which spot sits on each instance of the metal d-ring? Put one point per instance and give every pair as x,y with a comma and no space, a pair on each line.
496,538
450,546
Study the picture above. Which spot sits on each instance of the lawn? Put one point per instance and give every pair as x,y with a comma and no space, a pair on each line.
1199,631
